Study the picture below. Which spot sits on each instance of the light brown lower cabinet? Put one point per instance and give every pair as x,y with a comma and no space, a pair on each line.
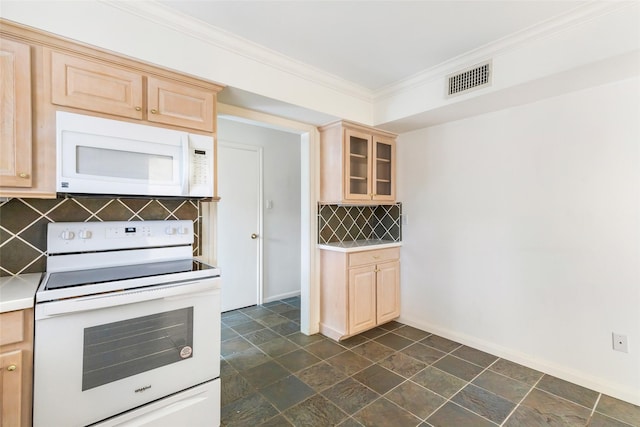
16,368
358,290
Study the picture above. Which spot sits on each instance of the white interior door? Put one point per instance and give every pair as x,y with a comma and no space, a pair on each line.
239,224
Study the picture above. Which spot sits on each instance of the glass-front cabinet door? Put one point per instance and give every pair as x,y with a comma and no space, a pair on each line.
357,163
384,151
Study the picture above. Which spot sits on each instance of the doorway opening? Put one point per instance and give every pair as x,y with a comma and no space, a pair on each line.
308,138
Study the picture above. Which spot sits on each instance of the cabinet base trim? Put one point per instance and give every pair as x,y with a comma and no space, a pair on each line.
331,333
335,335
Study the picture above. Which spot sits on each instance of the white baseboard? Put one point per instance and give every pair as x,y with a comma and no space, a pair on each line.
281,296
577,377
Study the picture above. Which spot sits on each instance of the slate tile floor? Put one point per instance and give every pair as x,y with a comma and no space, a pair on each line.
393,375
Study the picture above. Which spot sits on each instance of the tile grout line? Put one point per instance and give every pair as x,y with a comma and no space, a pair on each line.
465,385
255,389
380,396
316,393
31,263
595,405
373,362
488,369
522,400
564,398
429,365
481,416
447,400
489,391
450,353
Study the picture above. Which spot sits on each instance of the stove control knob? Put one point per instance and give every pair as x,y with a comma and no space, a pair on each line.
170,231
84,234
183,230
67,235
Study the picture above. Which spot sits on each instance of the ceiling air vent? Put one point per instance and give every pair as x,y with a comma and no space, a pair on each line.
471,78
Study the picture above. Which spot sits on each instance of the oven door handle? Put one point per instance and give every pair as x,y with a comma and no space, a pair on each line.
114,299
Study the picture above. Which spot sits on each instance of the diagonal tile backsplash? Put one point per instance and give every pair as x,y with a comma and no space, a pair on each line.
339,223
23,223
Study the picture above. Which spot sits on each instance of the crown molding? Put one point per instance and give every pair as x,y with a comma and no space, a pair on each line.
577,16
153,11
177,21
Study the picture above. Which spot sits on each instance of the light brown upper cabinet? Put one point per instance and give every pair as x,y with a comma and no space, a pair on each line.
110,89
89,85
180,105
15,114
27,144
357,164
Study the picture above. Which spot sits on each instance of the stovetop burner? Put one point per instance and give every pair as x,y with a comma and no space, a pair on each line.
68,279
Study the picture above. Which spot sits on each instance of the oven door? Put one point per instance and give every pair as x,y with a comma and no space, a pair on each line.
99,356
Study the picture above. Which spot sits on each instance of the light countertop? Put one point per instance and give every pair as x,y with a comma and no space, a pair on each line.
359,245
17,292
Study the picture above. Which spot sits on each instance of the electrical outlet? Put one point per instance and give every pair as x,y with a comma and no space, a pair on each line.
620,342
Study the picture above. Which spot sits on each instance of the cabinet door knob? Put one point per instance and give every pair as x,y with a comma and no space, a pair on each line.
254,236
23,175
376,270
154,111
11,368
138,108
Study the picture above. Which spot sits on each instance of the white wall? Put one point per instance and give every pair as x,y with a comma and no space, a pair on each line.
523,234
281,227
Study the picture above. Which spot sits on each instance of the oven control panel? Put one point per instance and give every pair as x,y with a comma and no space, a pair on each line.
127,232
66,237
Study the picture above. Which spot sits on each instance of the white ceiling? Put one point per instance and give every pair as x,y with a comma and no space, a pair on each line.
373,44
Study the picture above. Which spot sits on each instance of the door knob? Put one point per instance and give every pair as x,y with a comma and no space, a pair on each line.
254,236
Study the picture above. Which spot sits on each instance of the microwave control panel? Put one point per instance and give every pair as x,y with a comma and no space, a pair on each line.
200,166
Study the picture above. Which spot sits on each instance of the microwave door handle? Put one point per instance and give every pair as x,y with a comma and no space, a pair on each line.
186,162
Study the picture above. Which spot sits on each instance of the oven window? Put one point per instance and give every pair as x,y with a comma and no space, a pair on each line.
118,350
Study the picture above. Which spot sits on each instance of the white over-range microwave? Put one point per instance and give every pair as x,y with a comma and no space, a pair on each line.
102,156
